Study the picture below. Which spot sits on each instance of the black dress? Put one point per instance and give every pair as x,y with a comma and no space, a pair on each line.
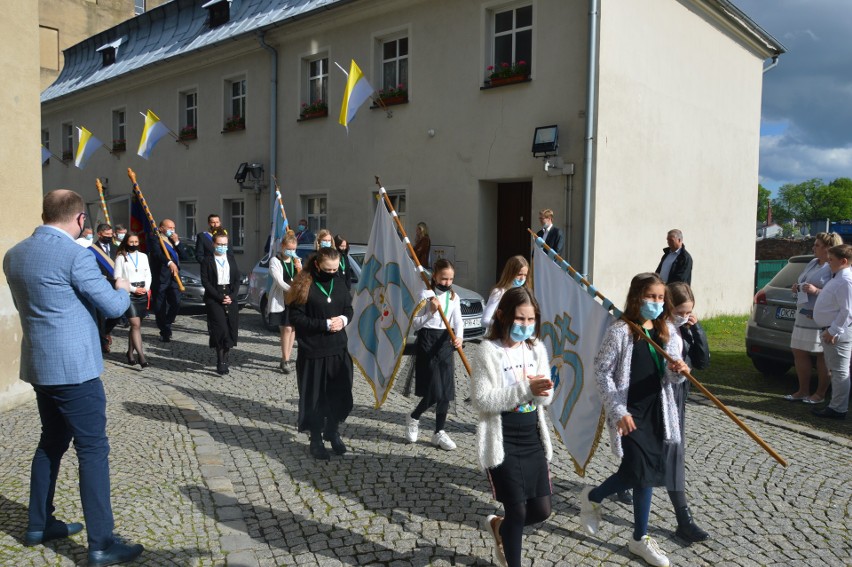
644,461
222,320
434,377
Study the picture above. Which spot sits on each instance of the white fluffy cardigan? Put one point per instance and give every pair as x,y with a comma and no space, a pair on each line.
490,397
612,372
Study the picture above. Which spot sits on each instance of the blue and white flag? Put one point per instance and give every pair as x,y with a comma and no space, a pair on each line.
573,325
386,300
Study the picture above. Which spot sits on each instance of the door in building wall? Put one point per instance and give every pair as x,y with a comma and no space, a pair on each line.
514,201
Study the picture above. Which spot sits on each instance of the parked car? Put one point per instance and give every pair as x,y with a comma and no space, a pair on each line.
771,322
472,304
190,274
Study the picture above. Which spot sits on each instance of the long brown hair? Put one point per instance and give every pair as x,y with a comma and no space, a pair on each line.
303,281
122,248
633,304
510,270
504,316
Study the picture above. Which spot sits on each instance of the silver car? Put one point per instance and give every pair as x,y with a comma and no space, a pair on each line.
190,274
771,323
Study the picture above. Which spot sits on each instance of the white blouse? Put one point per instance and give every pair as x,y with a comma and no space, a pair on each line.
134,268
451,306
223,269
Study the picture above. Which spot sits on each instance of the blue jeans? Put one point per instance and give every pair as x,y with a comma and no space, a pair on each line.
641,501
77,412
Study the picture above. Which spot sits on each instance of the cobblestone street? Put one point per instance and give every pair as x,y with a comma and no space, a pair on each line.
210,470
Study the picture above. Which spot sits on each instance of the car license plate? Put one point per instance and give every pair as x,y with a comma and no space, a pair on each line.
473,323
786,313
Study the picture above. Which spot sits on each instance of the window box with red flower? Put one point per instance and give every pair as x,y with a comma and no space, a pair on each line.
507,74
316,109
392,95
119,145
234,123
189,133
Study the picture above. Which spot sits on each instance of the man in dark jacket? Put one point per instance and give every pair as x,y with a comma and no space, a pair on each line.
551,234
676,263
164,289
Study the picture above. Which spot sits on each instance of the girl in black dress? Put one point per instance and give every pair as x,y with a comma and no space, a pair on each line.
221,280
635,386
320,311
347,274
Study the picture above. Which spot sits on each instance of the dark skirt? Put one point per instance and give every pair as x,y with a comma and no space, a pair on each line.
138,305
434,373
675,473
524,473
279,319
325,390
222,324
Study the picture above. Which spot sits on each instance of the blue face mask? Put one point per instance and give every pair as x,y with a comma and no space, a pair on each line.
520,333
650,310
518,282
291,253
325,244
301,227
222,249
90,237
119,236
169,232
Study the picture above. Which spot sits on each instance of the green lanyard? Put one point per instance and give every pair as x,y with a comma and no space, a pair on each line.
326,293
290,268
342,263
657,361
446,303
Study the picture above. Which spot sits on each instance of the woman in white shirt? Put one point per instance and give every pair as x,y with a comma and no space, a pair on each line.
283,268
514,275
132,265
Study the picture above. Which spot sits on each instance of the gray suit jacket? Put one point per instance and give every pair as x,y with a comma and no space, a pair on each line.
56,286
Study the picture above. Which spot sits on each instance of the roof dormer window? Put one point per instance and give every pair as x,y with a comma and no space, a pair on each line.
219,12
109,51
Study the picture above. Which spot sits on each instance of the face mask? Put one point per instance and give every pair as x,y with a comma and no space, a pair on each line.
517,282
105,240
291,253
519,333
90,237
133,248
169,232
650,310
301,227
325,244
442,288
323,277
221,249
343,251
119,236
680,320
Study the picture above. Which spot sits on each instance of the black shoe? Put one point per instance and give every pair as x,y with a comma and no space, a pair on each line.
318,450
221,368
687,530
57,530
131,360
336,442
115,554
829,413
165,338
143,362
625,497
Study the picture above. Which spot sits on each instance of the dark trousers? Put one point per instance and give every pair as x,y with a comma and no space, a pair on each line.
105,327
76,412
167,303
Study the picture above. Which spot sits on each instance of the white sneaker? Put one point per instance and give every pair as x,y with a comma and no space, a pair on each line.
590,512
442,440
412,430
647,549
492,523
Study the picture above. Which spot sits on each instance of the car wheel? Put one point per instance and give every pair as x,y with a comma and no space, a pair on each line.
769,367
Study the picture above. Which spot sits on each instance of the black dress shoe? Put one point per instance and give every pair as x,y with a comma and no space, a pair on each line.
829,413
57,530
115,554
143,363
221,369
318,450
165,338
336,442
625,497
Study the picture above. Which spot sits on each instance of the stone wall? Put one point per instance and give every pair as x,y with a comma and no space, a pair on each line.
782,248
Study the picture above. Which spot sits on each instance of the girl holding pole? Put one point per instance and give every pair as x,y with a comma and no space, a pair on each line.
510,389
320,311
434,370
283,268
132,265
220,277
635,385
514,275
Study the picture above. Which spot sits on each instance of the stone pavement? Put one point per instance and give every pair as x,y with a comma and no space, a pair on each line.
210,470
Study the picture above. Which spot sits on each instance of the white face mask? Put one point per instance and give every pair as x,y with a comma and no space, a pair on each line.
680,320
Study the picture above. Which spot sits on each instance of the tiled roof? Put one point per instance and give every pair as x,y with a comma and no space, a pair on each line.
171,30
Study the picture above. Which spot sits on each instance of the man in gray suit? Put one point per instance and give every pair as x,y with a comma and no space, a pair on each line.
57,288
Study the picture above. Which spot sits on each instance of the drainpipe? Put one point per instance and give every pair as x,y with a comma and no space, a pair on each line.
273,125
588,154
771,65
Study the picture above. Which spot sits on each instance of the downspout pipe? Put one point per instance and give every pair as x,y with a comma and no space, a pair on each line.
273,117
771,65
591,117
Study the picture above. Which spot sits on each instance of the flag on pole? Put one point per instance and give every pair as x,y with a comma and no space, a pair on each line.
573,325
140,224
87,144
45,154
357,91
386,300
151,134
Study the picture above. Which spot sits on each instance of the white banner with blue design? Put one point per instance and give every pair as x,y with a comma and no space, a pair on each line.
386,300
572,328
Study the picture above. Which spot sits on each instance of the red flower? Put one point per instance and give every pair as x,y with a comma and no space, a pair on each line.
490,68
504,65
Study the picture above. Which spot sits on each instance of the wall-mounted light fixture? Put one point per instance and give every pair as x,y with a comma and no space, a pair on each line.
252,170
545,141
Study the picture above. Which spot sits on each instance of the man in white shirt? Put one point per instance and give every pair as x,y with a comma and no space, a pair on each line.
833,313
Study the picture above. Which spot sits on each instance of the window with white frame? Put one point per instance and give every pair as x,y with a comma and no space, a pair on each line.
316,212
187,218
189,110
119,122
67,140
395,64
398,200
235,211
511,36
317,81
45,138
236,104
138,7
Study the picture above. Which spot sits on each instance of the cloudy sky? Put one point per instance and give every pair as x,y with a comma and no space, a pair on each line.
806,127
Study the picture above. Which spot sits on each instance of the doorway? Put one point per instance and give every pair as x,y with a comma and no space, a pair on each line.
514,201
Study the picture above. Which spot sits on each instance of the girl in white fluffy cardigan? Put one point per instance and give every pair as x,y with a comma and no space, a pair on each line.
510,390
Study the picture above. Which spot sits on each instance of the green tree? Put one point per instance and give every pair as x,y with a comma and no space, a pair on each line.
763,195
814,200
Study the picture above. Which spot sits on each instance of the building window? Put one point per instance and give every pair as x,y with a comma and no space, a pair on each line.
119,138
395,64
398,200
45,138
138,7
219,12
512,37
316,212
67,140
318,81
189,114
236,110
236,222
187,217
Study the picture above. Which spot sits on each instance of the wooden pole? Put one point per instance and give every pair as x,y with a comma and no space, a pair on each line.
638,331
103,202
138,192
399,227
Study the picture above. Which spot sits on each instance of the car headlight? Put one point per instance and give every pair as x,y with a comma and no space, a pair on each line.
191,281
244,280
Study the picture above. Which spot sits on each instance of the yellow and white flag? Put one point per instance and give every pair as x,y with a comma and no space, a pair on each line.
573,325
87,144
358,90
151,134
386,300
